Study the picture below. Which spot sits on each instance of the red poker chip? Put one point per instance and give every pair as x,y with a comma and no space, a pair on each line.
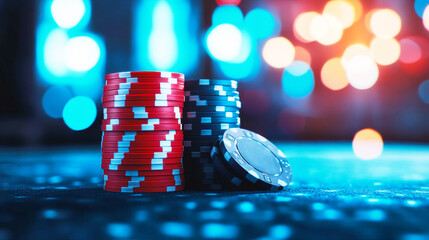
142,155
141,121
148,74
143,86
144,80
142,110
141,161
164,183
141,143
141,115
168,172
141,149
145,189
141,167
138,138
153,103
143,98
142,127
162,91
143,178
130,134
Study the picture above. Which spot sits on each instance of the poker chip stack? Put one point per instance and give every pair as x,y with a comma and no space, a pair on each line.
142,142
211,107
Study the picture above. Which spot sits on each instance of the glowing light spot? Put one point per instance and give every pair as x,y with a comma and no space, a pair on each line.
53,52
260,23
426,18
278,52
419,6
302,24
424,91
385,23
81,53
301,54
227,14
79,113
224,42
67,13
119,230
298,80
334,75
357,6
54,99
353,51
228,2
326,29
362,72
342,10
163,52
385,51
367,144
410,51
243,70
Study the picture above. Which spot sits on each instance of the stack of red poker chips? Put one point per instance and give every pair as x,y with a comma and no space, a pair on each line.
142,142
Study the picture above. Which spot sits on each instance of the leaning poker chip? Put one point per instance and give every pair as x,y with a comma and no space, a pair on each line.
145,80
134,173
144,74
143,178
142,127
141,121
207,120
143,143
236,104
142,97
116,155
207,88
137,161
141,149
153,103
143,110
256,159
133,134
212,93
141,115
212,98
164,183
210,109
208,82
119,86
144,189
143,91
141,167
235,114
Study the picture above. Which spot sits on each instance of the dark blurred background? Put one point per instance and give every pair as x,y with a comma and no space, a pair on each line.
54,54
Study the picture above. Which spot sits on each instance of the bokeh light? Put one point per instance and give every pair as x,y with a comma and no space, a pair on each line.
228,2
302,54
67,13
385,23
367,144
53,52
424,91
353,51
385,51
302,24
334,75
81,53
227,14
419,6
260,23
326,29
362,72
79,113
342,10
224,42
54,100
243,70
426,18
278,52
410,51
298,80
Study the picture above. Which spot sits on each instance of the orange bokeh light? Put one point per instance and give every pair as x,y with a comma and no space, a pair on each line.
301,26
354,50
334,75
326,29
342,10
301,54
367,144
385,51
426,18
278,52
385,23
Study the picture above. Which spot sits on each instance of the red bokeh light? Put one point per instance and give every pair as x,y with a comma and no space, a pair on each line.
228,2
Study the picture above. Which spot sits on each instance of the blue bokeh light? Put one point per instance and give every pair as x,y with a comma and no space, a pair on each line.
227,14
298,80
419,6
245,70
54,100
424,91
79,113
119,230
261,23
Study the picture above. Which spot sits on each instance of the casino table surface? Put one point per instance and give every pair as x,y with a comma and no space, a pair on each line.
56,193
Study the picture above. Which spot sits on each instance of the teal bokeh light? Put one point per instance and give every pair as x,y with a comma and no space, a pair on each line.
419,6
298,80
260,23
227,14
54,100
79,113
